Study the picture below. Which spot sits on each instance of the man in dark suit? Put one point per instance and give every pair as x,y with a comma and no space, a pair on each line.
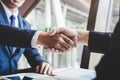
106,43
9,56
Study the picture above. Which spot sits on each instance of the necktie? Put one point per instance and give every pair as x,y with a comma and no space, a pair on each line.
12,19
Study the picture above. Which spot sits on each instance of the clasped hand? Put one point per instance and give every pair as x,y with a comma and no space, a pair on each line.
56,41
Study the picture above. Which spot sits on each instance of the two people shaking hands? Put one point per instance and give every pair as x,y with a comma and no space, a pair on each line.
62,39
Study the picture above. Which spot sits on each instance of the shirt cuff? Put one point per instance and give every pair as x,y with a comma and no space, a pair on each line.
35,39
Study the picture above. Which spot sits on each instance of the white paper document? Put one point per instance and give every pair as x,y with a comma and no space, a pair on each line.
70,74
76,74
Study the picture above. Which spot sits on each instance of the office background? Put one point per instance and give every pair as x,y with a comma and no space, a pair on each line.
75,14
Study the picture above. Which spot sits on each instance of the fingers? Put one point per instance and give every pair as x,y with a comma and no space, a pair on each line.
65,47
68,40
61,47
49,70
37,69
57,41
64,43
53,32
44,68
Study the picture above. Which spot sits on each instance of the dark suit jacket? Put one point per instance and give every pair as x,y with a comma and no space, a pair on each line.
99,42
12,36
8,62
109,66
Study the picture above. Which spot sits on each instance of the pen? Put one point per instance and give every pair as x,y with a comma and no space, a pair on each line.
52,75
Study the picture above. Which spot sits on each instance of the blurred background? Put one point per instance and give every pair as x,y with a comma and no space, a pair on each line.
49,14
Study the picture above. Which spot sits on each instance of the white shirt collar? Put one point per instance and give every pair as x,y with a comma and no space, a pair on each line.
8,13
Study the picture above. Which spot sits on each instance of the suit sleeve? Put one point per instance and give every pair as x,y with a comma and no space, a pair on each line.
99,42
33,57
12,36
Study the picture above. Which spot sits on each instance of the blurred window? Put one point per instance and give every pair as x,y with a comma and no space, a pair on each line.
76,13
76,16
107,18
115,15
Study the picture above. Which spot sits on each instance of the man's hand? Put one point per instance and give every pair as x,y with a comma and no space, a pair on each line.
67,31
44,68
78,36
72,34
57,41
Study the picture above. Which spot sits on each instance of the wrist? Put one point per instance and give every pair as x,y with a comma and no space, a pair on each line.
41,38
83,37
34,41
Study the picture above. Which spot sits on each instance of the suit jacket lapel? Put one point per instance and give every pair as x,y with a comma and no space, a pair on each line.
4,20
3,17
20,21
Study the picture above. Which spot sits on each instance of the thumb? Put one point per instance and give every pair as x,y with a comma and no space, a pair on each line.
52,32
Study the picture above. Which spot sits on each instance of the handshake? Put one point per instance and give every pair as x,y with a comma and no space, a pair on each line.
62,39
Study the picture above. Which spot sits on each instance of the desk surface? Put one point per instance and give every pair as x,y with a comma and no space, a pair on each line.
70,74
77,74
